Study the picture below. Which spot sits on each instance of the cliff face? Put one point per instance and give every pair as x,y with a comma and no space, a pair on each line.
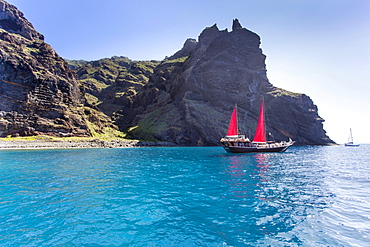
186,99
40,93
111,84
190,97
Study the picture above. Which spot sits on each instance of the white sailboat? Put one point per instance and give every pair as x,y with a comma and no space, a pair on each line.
350,142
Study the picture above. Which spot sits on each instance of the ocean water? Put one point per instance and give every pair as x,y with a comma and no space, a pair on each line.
185,196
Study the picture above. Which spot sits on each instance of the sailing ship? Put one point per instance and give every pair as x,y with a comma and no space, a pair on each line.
235,143
350,142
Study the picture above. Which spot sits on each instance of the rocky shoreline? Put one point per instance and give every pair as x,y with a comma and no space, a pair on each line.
96,143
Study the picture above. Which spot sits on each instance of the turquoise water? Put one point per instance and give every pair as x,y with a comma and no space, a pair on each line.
193,196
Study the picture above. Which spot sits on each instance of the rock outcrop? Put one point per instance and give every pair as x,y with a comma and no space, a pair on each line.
40,94
186,99
111,84
190,97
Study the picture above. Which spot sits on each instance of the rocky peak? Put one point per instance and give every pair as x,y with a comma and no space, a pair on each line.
13,21
236,25
192,100
187,49
208,35
189,45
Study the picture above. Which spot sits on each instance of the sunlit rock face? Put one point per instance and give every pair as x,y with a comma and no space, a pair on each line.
186,99
190,97
39,92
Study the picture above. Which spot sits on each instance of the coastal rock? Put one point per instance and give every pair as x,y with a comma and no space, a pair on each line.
111,84
186,99
40,93
13,21
189,100
187,49
236,25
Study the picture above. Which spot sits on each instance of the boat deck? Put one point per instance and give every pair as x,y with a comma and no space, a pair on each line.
239,146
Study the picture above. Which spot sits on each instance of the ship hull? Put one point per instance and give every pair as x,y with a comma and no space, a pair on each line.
351,145
238,147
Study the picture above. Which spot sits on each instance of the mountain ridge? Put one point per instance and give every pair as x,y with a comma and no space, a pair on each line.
193,102
184,99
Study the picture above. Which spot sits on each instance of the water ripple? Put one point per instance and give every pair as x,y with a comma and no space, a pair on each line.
308,196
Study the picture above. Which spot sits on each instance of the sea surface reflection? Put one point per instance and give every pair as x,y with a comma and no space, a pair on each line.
309,196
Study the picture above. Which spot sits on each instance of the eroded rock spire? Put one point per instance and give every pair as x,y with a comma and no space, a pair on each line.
236,25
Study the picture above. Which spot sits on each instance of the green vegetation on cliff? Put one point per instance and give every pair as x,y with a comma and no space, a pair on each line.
176,60
155,124
111,85
278,92
112,80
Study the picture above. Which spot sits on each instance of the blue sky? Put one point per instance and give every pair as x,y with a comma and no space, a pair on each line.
317,47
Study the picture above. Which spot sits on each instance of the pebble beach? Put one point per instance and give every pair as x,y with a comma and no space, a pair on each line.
95,143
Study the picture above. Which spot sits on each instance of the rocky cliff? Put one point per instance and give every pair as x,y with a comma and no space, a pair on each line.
40,94
190,97
185,99
111,84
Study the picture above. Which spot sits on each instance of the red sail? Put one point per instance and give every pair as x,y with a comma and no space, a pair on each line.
260,135
233,126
